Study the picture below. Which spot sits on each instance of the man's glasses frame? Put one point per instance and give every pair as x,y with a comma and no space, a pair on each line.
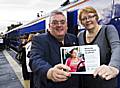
55,22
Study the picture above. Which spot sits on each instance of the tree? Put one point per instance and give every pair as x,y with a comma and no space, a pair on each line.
14,26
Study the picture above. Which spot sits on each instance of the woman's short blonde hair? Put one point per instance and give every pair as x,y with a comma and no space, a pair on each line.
30,37
88,9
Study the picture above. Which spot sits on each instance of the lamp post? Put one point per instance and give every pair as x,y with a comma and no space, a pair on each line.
41,13
113,8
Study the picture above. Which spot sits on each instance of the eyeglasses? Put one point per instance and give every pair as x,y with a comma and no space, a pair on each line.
55,22
86,18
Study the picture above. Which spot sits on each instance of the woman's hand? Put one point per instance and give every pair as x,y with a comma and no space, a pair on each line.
57,73
106,72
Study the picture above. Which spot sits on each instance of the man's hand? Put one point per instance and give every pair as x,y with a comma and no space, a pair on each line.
106,72
57,73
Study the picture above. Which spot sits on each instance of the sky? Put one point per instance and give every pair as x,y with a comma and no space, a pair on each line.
15,11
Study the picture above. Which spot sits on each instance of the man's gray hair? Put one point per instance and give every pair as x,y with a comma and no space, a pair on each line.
55,12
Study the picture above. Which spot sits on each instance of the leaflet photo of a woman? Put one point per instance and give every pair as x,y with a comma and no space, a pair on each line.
74,59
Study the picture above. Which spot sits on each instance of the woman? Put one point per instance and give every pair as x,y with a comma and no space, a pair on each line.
74,60
106,37
28,49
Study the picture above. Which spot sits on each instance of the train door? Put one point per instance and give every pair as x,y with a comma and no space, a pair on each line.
72,18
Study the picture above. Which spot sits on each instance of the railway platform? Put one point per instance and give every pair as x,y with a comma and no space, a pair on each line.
11,71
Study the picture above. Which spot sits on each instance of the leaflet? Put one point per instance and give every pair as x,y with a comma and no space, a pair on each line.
81,59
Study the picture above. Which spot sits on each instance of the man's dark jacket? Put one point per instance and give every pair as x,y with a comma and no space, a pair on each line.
45,53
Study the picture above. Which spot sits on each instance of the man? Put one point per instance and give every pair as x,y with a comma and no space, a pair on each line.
45,55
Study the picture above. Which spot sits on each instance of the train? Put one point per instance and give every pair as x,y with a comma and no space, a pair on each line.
108,12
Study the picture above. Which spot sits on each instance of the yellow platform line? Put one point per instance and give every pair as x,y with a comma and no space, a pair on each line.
17,69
